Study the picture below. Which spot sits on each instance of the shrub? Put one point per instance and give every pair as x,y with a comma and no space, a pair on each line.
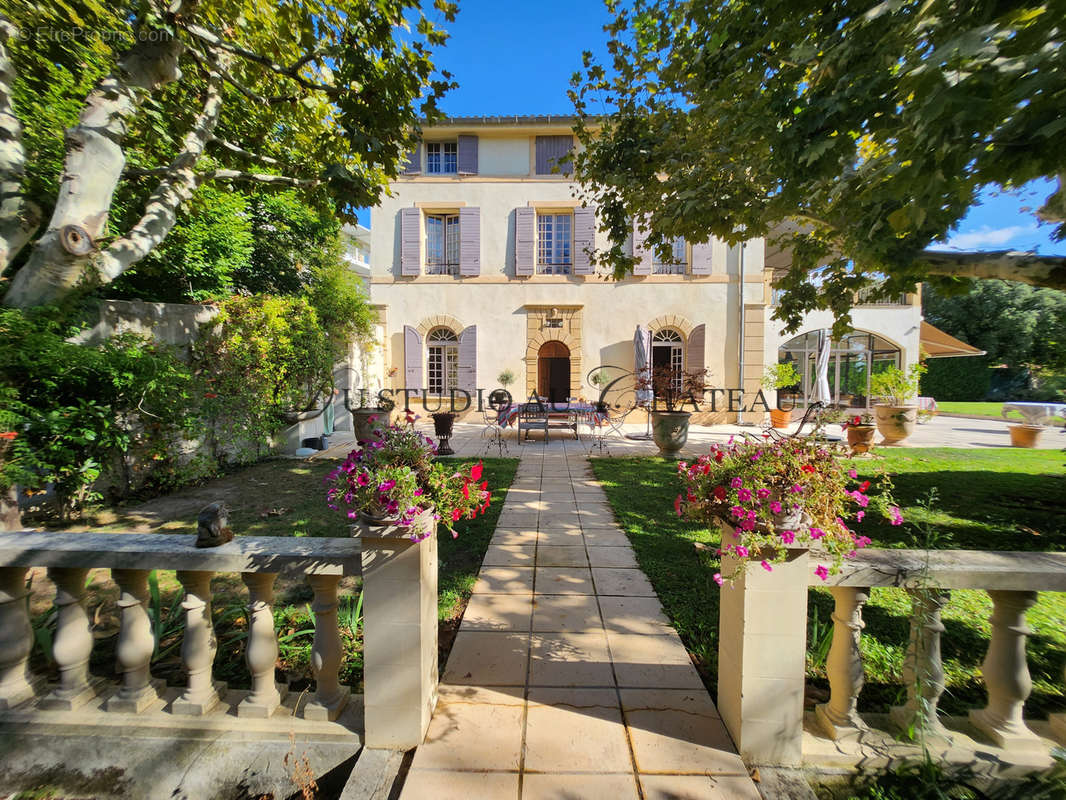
957,379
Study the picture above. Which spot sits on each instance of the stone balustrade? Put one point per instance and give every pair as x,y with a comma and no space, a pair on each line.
68,558
763,644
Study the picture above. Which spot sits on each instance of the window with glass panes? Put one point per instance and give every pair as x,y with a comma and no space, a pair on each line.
442,367
442,157
678,259
667,348
554,233
442,244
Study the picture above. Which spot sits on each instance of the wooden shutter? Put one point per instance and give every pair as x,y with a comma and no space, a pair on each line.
550,150
702,257
412,163
695,351
584,240
525,225
412,358
467,154
468,360
410,241
470,241
643,266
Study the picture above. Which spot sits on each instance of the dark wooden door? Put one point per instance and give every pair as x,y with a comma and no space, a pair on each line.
558,379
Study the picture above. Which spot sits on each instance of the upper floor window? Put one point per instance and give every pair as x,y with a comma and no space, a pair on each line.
442,244
678,259
554,243
442,367
442,158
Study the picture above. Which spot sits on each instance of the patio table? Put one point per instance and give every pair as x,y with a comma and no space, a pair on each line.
556,412
1036,413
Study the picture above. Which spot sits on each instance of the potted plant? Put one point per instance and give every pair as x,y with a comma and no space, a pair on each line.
506,378
777,377
897,415
671,389
1022,435
773,496
370,415
394,482
860,430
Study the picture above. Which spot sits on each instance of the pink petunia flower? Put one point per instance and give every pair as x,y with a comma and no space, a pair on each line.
743,495
852,474
766,566
737,482
821,572
788,537
717,578
775,506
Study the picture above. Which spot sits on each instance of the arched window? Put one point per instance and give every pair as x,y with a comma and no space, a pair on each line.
668,350
442,367
853,360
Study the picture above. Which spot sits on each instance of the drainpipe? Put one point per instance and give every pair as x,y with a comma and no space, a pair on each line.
740,334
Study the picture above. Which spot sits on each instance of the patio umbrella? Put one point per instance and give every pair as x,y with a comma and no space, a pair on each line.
821,393
642,362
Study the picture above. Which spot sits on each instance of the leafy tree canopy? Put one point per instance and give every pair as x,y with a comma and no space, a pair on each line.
118,118
852,134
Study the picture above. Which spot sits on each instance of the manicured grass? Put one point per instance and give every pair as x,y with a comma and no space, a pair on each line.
988,500
275,498
991,410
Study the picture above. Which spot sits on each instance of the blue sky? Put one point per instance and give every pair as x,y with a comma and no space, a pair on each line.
509,58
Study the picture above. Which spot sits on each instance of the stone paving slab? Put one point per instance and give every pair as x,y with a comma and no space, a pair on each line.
566,679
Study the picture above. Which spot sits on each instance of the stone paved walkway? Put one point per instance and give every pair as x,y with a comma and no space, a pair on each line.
566,679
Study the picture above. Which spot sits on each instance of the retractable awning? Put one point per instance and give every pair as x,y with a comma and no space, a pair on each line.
937,344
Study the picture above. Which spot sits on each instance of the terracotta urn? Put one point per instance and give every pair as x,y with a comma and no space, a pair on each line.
1025,435
861,438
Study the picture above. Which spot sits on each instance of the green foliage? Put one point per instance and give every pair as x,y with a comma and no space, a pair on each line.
1015,324
331,100
956,378
261,360
781,375
77,409
896,385
853,137
337,295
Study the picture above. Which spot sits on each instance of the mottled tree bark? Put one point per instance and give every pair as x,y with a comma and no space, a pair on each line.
19,218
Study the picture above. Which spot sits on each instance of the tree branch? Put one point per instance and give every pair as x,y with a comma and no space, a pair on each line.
1008,265
176,189
92,168
259,177
293,72
240,87
231,147
19,217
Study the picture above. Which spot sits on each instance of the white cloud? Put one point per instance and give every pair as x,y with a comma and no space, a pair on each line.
984,237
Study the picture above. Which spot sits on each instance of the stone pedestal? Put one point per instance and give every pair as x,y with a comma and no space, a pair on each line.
761,657
399,634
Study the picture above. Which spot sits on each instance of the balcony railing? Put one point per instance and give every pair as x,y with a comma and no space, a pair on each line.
761,699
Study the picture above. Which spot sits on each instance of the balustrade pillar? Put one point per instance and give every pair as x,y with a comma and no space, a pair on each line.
73,643
261,652
135,645
198,648
1006,673
839,718
923,668
326,652
17,685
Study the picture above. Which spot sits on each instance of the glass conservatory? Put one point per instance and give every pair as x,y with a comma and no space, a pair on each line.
852,360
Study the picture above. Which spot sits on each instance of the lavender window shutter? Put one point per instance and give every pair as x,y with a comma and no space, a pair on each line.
412,164
694,352
468,359
470,241
410,241
584,240
525,221
412,358
643,266
702,257
549,151
467,158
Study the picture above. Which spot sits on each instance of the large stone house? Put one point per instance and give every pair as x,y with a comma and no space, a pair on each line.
479,266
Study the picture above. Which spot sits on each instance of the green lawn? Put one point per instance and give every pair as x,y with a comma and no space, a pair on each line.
988,499
274,498
991,410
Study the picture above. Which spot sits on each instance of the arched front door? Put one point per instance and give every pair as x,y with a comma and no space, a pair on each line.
553,371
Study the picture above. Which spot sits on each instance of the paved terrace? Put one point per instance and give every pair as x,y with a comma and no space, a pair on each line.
941,431
566,679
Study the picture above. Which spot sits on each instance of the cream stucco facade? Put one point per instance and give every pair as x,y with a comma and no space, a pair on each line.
593,315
